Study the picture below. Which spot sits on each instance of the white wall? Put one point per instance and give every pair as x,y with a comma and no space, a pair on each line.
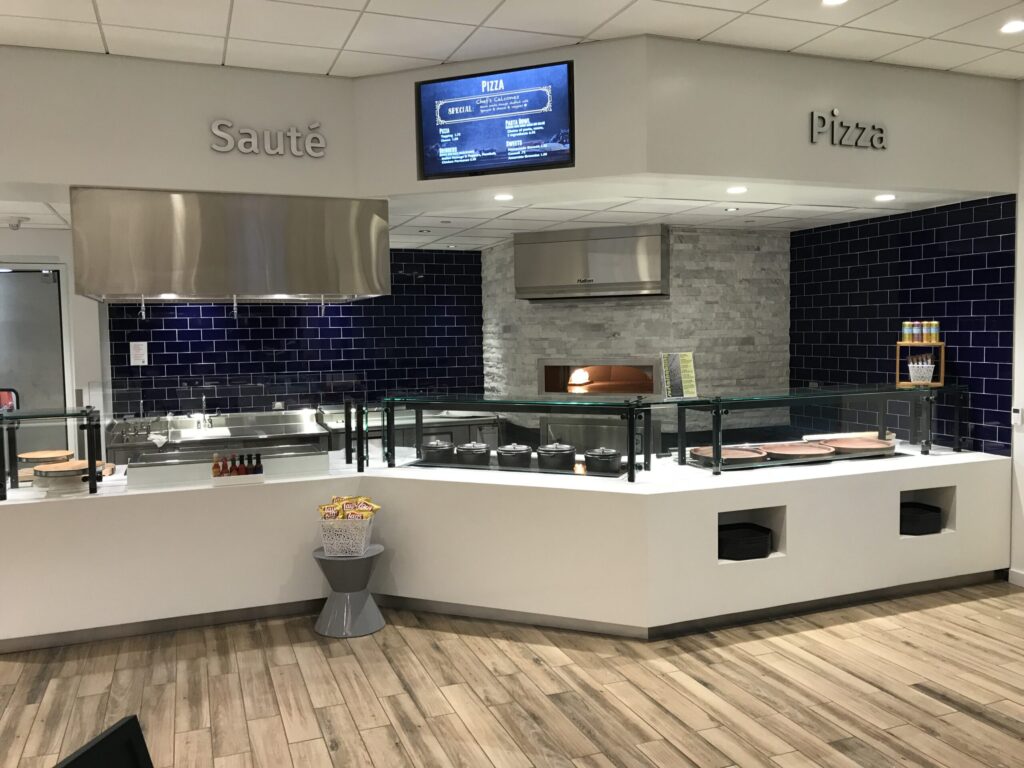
723,111
643,105
1017,495
78,118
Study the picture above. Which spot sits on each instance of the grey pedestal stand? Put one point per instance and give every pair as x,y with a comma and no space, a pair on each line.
350,610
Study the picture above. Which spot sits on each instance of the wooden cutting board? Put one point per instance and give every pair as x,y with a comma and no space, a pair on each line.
729,455
799,450
859,444
45,457
77,465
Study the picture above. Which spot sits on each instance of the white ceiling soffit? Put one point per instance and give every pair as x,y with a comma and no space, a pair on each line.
473,219
355,38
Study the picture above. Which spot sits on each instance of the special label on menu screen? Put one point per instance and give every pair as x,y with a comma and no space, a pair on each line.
516,120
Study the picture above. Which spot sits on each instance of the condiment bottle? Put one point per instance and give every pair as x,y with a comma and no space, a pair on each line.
259,465
241,465
215,469
234,465
224,471
249,468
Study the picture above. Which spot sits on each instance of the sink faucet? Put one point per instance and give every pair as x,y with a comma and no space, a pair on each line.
205,422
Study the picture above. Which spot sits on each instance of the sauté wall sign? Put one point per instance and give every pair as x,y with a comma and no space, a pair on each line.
294,141
839,131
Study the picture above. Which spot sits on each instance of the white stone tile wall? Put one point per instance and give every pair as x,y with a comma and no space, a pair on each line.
728,303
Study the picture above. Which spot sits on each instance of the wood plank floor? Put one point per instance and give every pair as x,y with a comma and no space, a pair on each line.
930,680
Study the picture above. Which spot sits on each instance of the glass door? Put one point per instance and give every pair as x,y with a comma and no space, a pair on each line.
32,352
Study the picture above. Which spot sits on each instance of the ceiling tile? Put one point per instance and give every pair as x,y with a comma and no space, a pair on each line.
813,10
846,43
693,220
565,17
937,54
615,217
65,10
486,42
46,33
465,240
200,17
346,5
925,18
724,5
767,32
291,23
412,230
355,64
413,37
287,58
654,205
507,233
459,11
1000,64
156,44
513,225
547,214
469,213
672,19
593,204
443,221
803,211
985,31
580,225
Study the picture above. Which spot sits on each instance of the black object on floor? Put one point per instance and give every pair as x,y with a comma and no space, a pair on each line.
120,746
743,541
919,519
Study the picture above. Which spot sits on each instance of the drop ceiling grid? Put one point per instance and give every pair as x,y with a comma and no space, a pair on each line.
435,229
362,37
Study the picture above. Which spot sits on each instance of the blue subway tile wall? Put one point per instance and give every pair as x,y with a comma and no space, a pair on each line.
427,334
852,285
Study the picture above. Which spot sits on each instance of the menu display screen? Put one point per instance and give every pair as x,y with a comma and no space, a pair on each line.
513,120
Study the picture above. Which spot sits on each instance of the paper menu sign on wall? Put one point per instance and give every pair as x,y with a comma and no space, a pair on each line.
138,353
679,374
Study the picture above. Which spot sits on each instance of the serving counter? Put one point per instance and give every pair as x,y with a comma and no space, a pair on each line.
578,551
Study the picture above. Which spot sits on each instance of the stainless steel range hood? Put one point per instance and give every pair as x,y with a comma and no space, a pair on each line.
210,246
587,263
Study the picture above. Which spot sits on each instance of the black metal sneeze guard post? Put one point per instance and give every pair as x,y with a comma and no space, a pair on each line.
920,400
89,419
634,411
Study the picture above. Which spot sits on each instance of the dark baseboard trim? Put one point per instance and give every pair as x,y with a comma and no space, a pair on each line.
73,637
160,625
825,603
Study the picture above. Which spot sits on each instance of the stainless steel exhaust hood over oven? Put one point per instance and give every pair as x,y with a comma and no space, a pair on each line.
211,246
583,263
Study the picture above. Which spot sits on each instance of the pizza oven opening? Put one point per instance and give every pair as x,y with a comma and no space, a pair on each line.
601,378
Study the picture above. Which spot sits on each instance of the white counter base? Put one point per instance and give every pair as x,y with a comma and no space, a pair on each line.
581,551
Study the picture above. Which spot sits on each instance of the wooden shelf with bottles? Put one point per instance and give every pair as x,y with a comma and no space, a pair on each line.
940,365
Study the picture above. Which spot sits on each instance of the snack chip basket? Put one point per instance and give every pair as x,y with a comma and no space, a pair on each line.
921,373
346,538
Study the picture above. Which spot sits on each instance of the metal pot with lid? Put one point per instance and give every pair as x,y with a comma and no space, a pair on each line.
438,452
558,456
603,460
514,455
474,454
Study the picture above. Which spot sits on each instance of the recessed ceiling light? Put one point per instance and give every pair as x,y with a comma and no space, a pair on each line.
451,246
886,198
503,197
424,231
736,190
1012,27
730,210
446,221
167,296
6,269
832,2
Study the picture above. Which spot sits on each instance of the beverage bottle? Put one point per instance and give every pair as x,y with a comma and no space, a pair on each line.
215,469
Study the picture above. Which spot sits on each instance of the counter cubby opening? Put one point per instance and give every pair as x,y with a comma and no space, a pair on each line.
773,518
944,498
